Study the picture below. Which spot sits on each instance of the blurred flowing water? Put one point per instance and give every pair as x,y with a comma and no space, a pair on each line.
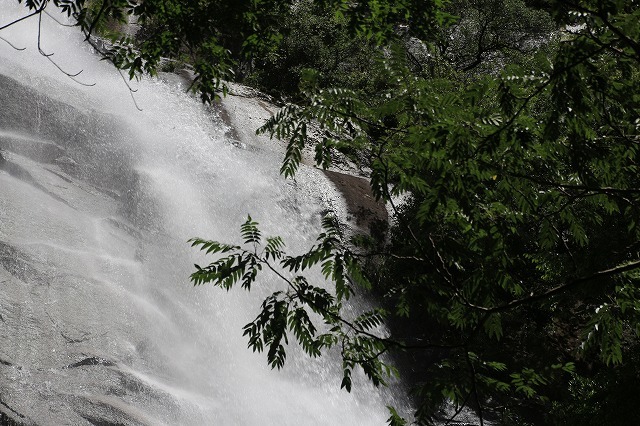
98,321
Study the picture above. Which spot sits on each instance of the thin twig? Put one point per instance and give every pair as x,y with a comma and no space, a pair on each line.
57,21
562,288
49,55
96,20
131,90
12,45
617,31
31,15
459,410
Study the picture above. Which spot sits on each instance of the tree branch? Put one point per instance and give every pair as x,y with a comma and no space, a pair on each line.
31,15
49,55
12,45
562,288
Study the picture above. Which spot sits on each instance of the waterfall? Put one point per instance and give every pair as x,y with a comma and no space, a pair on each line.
98,321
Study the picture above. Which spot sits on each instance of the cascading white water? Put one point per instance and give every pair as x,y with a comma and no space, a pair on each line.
99,324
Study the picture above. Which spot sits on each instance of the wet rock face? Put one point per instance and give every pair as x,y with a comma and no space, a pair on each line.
32,112
369,214
61,176
18,264
41,151
49,131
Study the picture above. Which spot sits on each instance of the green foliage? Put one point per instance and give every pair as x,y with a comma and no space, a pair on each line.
395,419
314,37
491,33
289,310
509,280
523,202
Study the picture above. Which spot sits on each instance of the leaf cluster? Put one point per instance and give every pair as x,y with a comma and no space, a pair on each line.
295,309
521,224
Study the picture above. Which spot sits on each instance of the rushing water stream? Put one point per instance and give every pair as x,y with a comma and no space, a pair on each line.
98,321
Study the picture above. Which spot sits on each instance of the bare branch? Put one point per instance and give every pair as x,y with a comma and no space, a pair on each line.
31,15
131,90
49,55
603,15
96,20
460,408
12,45
562,288
57,21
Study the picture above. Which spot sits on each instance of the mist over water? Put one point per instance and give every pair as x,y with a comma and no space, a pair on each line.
99,322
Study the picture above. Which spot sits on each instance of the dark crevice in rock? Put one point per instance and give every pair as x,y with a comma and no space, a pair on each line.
6,420
18,264
84,336
93,360
100,413
61,176
232,132
9,418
